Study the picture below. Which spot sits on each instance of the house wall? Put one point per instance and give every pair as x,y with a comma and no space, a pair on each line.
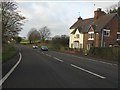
73,39
113,27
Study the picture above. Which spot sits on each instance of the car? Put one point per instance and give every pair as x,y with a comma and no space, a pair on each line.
35,46
44,48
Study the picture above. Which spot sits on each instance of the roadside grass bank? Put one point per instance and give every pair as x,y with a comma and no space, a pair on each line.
8,51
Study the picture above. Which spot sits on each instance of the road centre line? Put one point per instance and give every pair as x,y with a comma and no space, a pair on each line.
12,69
58,59
42,52
87,71
48,55
88,59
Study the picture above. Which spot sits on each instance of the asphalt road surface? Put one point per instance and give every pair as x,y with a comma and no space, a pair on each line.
50,69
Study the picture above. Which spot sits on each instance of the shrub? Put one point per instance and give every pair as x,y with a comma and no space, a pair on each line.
110,53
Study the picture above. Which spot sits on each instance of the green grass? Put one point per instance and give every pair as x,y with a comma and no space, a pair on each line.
24,42
27,41
8,52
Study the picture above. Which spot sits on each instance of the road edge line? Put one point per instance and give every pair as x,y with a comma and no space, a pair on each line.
11,70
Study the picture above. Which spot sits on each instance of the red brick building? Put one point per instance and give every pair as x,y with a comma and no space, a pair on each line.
103,30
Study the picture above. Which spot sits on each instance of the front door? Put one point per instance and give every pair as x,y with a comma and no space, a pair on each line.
88,46
76,44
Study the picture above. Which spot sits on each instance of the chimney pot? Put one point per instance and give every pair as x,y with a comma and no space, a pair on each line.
79,18
98,9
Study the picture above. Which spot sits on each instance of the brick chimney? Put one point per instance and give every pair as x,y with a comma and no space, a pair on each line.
98,13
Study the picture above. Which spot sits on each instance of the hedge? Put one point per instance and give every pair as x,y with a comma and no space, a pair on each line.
111,53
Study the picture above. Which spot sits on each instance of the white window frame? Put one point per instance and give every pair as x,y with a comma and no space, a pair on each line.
89,33
118,33
106,30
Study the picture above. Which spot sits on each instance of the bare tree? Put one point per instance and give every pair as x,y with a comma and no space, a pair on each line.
44,33
33,35
11,19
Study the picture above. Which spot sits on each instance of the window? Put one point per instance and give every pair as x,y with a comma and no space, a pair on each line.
80,45
77,35
106,32
91,36
118,36
72,45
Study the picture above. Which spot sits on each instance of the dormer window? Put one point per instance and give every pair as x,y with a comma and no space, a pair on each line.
106,32
91,36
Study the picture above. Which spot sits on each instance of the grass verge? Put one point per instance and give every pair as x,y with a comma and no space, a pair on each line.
8,52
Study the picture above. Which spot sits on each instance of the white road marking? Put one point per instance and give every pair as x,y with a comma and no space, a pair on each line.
88,59
12,69
42,52
48,55
87,71
58,59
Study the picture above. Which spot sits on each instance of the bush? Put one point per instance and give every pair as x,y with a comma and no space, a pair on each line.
55,47
110,53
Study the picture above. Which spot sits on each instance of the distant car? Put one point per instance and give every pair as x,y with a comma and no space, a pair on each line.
44,48
35,46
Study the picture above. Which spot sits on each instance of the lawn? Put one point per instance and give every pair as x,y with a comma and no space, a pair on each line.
8,52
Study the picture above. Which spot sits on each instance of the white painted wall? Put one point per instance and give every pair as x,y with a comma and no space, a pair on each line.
73,38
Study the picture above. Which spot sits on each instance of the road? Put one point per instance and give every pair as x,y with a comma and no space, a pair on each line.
50,69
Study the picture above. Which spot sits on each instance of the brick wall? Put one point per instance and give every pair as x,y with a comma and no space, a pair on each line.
85,39
96,40
113,26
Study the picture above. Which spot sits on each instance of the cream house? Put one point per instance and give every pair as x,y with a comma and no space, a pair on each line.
76,39
77,31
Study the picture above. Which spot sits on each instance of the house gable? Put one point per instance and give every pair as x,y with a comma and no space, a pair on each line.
77,32
91,29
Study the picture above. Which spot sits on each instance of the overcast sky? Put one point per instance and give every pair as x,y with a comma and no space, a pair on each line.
58,16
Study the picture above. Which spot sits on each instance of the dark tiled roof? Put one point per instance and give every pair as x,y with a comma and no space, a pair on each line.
102,22
84,25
